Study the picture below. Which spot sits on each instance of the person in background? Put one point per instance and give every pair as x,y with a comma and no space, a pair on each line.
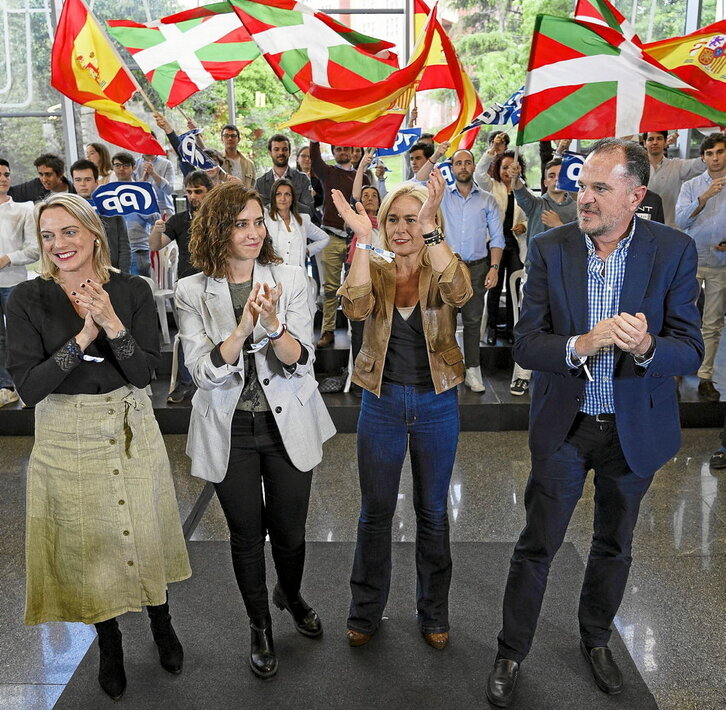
100,156
18,247
498,181
701,213
258,422
160,173
408,367
235,163
50,180
279,149
138,226
103,535
304,165
84,174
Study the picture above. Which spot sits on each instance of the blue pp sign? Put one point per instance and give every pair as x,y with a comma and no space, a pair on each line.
570,172
122,198
190,153
446,172
405,138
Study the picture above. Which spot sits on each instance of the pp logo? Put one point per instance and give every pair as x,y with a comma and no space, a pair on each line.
123,198
446,172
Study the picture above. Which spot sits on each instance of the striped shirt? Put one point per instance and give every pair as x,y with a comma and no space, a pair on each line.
604,284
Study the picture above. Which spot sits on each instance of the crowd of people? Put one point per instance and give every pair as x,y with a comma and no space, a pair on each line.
607,321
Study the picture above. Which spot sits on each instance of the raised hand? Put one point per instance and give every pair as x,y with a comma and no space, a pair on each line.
358,221
427,214
265,305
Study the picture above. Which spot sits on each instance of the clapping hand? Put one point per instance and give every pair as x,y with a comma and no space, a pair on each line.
358,221
265,305
92,296
427,214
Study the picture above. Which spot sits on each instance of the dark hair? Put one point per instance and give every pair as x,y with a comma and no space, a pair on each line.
371,187
494,134
198,178
293,207
105,167
426,135
644,136
637,166
496,166
5,163
215,155
51,161
124,158
427,148
230,127
711,142
552,163
212,226
278,138
85,165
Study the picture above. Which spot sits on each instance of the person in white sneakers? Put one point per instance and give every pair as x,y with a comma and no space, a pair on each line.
474,231
18,247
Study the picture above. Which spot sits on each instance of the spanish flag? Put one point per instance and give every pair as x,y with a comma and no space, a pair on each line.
86,69
369,118
698,58
444,71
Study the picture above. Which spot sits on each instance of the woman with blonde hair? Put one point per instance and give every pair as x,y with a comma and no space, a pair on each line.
409,365
100,156
258,422
103,535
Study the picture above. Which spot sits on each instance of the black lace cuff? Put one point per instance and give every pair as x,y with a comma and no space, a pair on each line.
69,356
124,346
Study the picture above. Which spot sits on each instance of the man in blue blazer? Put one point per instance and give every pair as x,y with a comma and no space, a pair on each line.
609,317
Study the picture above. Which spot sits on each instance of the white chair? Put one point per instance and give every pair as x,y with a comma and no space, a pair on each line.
516,293
164,266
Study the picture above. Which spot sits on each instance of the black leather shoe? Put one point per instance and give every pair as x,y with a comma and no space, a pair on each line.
171,653
307,621
604,669
263,661
501,682
111,673
718,460
491,336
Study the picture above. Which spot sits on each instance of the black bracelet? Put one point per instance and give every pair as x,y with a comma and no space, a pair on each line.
433,238
280,332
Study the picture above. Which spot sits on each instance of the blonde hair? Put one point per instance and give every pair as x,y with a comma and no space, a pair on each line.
412,189
81,210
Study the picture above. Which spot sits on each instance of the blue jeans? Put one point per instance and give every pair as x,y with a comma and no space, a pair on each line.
429,424
140,263
5,379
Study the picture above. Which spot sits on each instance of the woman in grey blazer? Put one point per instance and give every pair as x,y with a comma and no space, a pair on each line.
258,421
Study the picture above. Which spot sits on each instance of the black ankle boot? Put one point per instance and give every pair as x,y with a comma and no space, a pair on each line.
171,653
491,335
263,661
307,621
111,674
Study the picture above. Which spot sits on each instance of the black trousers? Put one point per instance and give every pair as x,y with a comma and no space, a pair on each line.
554,487
263,493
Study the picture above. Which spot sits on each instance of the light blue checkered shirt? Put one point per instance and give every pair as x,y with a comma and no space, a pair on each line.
604,284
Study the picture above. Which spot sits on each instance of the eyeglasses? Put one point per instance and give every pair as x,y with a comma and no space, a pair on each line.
120,165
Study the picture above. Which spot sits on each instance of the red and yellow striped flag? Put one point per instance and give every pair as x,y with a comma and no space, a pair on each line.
369,118
86,68
443,70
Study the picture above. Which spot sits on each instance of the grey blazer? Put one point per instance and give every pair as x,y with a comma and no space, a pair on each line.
300,183
118,242
206,317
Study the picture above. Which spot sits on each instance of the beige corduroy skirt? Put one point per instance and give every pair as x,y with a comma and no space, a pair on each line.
102,524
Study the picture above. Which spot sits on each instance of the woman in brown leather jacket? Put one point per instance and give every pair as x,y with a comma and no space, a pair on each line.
409,366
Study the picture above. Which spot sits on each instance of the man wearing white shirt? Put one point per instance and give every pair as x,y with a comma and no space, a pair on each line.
159,172
18,247
701,212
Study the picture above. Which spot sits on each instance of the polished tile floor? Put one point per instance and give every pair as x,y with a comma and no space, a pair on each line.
673,617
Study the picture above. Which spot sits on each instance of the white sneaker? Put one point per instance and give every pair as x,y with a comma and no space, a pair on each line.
473,379
8,396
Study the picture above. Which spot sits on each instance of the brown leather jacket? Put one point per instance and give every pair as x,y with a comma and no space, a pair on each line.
440,294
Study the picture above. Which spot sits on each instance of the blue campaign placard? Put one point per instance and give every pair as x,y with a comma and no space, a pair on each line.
405,138
446,172
190,153
122,198
570,172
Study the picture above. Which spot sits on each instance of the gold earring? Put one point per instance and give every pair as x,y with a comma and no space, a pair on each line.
98,242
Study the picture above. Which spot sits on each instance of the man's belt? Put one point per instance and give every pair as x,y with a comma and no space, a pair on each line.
476,262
